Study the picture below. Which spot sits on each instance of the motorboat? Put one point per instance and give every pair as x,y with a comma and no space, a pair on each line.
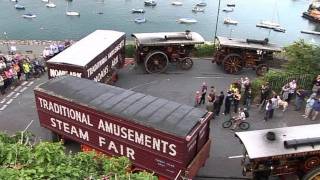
45,1
14,0
197,9
176,3
230,21
140,20
19,7
231,4
201,4
72,13
29,15
150,3
137,11
50,5
271,25
187,21
228,9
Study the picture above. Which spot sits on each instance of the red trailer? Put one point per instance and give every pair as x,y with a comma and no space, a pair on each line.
95,57
158,135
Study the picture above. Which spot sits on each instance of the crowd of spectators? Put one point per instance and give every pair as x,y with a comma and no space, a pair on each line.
16,68
240,91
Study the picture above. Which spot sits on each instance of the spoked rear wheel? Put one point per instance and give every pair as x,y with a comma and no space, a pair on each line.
244,125
156,62
227,124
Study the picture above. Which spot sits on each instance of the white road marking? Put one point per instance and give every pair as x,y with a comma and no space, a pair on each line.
235,157
3,100
10,101
30,83
24,83
200,77
16,95
3,107
10,94
18,88
23,89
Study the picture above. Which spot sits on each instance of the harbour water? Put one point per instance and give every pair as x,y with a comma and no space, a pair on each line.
53,24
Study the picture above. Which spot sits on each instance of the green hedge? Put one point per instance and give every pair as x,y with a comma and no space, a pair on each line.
21,160
130,48
204,50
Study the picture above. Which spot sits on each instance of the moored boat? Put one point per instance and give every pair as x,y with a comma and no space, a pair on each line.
231,4
29,15
228,9
187,20
150,3
197,9
50,5
140,20
137,11
45,1
271,25
72,13
176,3
230,21
201,4
19,7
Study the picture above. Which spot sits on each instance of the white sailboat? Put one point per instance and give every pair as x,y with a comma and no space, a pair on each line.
45,1
71,13
176,3
187,21
50,5
273,25
230,21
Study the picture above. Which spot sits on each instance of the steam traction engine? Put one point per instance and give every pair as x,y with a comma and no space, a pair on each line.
157,50
282,151
235,54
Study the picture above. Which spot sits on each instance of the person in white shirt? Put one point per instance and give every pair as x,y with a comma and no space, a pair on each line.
292,90
238,119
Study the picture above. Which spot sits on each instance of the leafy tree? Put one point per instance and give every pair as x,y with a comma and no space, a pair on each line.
303,58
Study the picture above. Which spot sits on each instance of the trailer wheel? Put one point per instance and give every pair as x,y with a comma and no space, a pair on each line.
186,63
156,62
312,175
232,63
262,69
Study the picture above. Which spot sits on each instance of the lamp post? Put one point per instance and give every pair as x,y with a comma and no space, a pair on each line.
217,22
7,42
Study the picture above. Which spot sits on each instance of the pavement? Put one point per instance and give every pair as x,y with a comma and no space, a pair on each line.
17,110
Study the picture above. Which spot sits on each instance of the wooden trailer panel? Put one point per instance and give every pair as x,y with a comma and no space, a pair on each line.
153,132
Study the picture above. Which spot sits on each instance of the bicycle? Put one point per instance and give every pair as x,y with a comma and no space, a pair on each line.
243,125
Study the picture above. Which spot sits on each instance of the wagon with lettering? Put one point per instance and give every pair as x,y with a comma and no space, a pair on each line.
235,54
158,135
96,57
156,50
282,151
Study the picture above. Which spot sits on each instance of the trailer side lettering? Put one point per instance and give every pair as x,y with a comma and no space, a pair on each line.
70,129
65,111
102,61
56,72
137,137
120,149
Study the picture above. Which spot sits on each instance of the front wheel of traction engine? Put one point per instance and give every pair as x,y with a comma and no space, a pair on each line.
232,63
156,62
186,63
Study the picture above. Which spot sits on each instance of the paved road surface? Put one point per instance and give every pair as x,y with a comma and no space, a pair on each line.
17,110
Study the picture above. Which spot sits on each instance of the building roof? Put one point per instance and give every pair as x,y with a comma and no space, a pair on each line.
85,50
258,146
159,38
157,113
242,43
